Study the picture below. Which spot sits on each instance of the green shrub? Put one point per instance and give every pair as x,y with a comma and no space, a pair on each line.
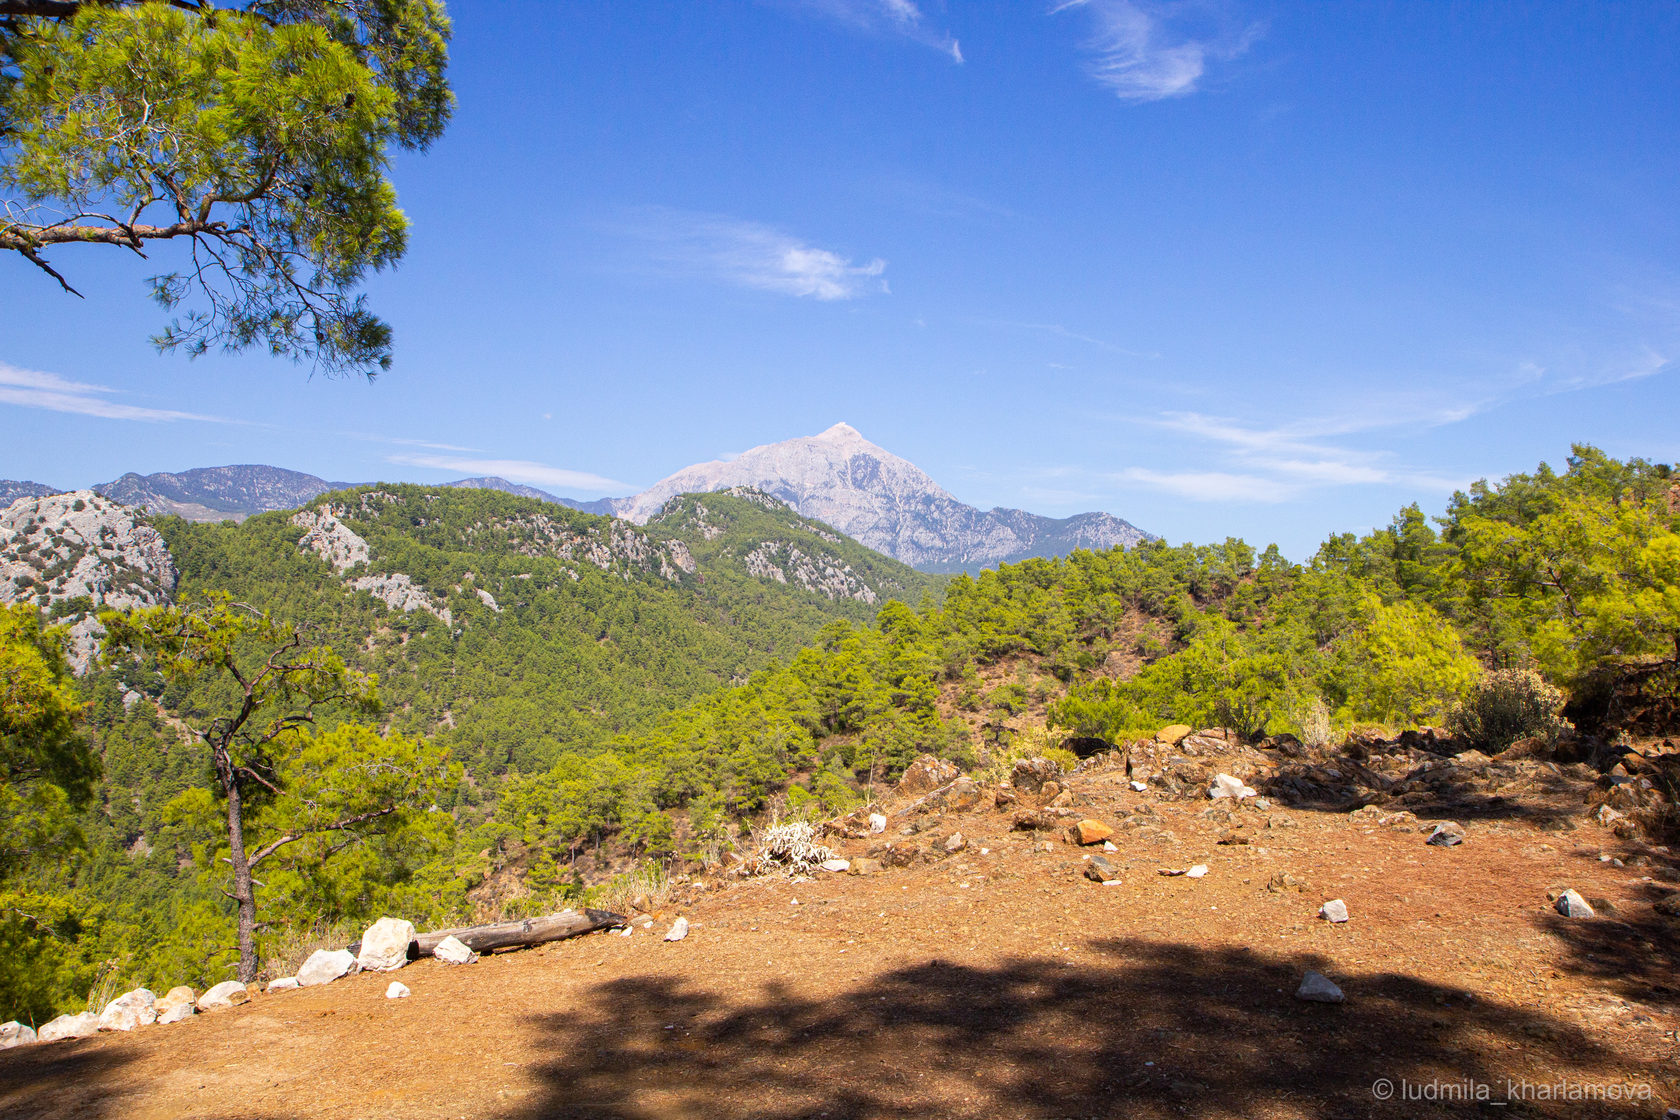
1505,706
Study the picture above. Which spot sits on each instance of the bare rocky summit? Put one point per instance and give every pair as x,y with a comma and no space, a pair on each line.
218,493
85,552
885,503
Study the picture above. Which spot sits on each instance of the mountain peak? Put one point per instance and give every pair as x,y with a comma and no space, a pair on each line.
841,431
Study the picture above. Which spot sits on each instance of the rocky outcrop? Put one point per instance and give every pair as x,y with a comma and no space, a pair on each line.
609,545
83,550
218,493
884,502
397,591
331,539
786,562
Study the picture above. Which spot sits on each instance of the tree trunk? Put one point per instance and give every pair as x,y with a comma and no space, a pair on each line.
531,931
244,890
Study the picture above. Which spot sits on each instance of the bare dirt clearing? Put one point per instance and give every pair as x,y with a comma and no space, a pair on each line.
998,982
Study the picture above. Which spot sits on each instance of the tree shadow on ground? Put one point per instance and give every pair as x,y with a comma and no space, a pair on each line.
1632,950
71,1078
1152,1030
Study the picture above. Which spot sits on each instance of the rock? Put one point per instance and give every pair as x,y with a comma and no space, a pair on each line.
1030,774
1050,791
1334,911
1108,846
867,866
957,797
397,990
877,823
955,843
452,950
1038,820
323,967
1284,881
1139,787
385,945
1197,871
1173,733
1237,835
1100,870
228,993
70,1026
1668,905
1607,816
129,1010
1090,831
838,866
927,774
1317,988
283,984
1571,905
15,1033
180,1002
678,930
1226,786
1447,834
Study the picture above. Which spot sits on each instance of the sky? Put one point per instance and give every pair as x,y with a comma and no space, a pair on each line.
1220,268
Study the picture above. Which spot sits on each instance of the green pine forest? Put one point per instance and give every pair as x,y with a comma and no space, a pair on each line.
603,720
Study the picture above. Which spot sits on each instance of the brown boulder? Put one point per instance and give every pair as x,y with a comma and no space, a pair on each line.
926,774
1100,870
1092,832
1030,774
867,866
1172,733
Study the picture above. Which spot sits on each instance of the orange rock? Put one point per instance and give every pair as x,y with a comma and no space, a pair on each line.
1172,733
1093,832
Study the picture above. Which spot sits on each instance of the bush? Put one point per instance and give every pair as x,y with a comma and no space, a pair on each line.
1505,706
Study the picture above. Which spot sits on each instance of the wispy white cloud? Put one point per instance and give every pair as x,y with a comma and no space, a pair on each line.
1210,486
752,255
1074,336
517,470
399,441
902,18
1144,52
28,388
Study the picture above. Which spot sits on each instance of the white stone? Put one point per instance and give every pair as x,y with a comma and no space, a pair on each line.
1334,911
226,994
1197,871
15,1033
1317,988
324,966
452,950
877,823
70,1026
627,931
1108,846
129,1010
678,931
180,1002
385,945
1138,787
1571,905
283,984
955,842
397,990
1226,786
838,866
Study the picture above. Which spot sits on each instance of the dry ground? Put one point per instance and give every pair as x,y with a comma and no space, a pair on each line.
990,984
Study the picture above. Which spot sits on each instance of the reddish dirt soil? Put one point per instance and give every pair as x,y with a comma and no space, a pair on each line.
992,984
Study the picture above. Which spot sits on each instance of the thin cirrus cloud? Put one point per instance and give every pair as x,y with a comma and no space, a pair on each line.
1281,464
901,18
751,255
516,470
29,388
1143,52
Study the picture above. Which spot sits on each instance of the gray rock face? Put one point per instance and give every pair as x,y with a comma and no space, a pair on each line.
1334,911
82,546
15,1033
331,539
229,993
324,966
129,1010
70,1026
1318,988
785,562
217,493
11,490
884,502
385,945
452,950
397,591
1571,905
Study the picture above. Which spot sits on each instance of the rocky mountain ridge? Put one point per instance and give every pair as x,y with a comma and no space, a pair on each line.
884,502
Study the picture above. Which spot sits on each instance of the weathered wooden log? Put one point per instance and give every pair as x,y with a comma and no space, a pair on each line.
531,931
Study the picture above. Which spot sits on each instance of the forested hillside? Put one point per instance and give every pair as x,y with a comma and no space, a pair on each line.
574,677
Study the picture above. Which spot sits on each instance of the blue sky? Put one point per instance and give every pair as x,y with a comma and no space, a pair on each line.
1248,269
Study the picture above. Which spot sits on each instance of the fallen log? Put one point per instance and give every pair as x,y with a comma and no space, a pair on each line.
521,934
